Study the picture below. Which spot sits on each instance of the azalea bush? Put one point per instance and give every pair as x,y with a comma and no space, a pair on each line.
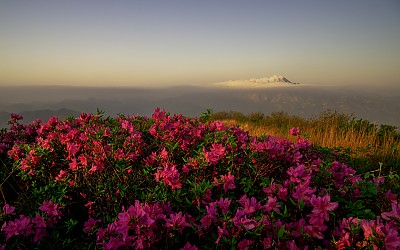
173,182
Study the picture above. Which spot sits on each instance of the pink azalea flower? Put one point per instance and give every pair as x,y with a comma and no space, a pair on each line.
303,191
270,189
248,224
223,204
39,221
272,205
315,230
297,156
367,227
16,117
210,217
158,115
211,157
292,245
341,173
189,247
221,233
153,130
216,153
97,165
298,174
344,242
169,175
126,125
138,213
322,205
294,131
236,220
317,219
228,181
90,224
392,239
107,132
73,165
394,214
8,209
282,193
83,137
245,244
10,229
61,175
133,218
21,226
207,196
51,208
220,125
250,205
84,160
185,168
379,180
218,149
53,120
40,228
298,227
303,143
391,196
119,154
25,165
72,148
164,154
267,242
114,243
95,168
177,221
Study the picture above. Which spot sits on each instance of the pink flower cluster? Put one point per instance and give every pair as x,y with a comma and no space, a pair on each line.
216,153
141,225
250,215
187,184
25,226
373,233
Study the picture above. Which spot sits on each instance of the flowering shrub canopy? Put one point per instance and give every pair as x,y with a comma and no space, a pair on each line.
180,183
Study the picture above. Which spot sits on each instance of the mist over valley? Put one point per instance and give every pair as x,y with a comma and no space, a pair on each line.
41,102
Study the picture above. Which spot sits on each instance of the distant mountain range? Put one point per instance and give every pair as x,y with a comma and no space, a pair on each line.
41,102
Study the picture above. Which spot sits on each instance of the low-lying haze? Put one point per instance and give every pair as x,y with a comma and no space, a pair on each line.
377,105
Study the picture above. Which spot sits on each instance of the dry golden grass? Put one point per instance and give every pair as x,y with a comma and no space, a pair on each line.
328,134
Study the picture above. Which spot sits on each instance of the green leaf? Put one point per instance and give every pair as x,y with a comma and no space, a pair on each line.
281,231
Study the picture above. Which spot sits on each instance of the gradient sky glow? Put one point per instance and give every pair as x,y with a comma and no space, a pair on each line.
152,43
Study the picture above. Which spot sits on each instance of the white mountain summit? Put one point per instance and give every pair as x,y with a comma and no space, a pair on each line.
273,81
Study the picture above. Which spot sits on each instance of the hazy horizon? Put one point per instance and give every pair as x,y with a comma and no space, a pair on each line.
170,43
41,102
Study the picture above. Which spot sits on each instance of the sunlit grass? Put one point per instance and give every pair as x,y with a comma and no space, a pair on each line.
360,138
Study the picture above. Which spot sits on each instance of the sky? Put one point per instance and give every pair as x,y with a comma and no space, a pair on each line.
171,42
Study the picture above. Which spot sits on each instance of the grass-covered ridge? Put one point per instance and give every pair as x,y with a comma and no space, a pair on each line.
173,182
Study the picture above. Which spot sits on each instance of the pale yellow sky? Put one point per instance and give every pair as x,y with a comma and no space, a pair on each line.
152,43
